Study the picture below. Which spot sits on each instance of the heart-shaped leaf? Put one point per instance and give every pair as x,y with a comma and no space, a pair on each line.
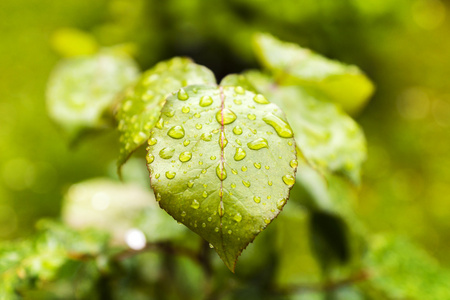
81,89
141,106
292,64
222,161
329,139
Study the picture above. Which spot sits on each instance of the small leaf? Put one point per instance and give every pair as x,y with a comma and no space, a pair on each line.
81,89
117,208
343,84
223,168
141,106
329,139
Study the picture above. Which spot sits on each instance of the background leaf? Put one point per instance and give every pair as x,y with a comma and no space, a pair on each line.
141,105
291,64
222,161
119,209
81,89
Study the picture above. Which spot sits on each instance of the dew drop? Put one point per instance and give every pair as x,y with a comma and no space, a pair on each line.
205,194
246,183
221,172
182,95
185,156
267,221
215,131
213,157
238,141
257,199
197,115
166,152
239,90
176,132
221,209
257,165
170,113
206,137
150,158
209,219
281,127
211,245
186,142
190,183
183,213
139,138
152,141
222,140
244,168
237,217
293,163
251,117
160,124
240,154
257,144
204,171
200,163
234,171
237,101
267,167
205,101
185,109
233,186
225,116
260,99
198,126
281,203
157,175
195,204
289,180
237,130
158,197
269,183
170,174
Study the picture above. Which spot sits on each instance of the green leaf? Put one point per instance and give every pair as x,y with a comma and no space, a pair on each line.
328,138
343,84
81,89
222,162
141,106
398,269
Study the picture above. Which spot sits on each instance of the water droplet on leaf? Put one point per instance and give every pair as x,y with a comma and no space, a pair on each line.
176,132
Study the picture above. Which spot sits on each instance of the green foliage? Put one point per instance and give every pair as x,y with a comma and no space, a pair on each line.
31,265
291,64
400,270
222,161
141,106
313,250
82,89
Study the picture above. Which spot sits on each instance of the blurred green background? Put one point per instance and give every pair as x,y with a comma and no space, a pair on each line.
402,45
